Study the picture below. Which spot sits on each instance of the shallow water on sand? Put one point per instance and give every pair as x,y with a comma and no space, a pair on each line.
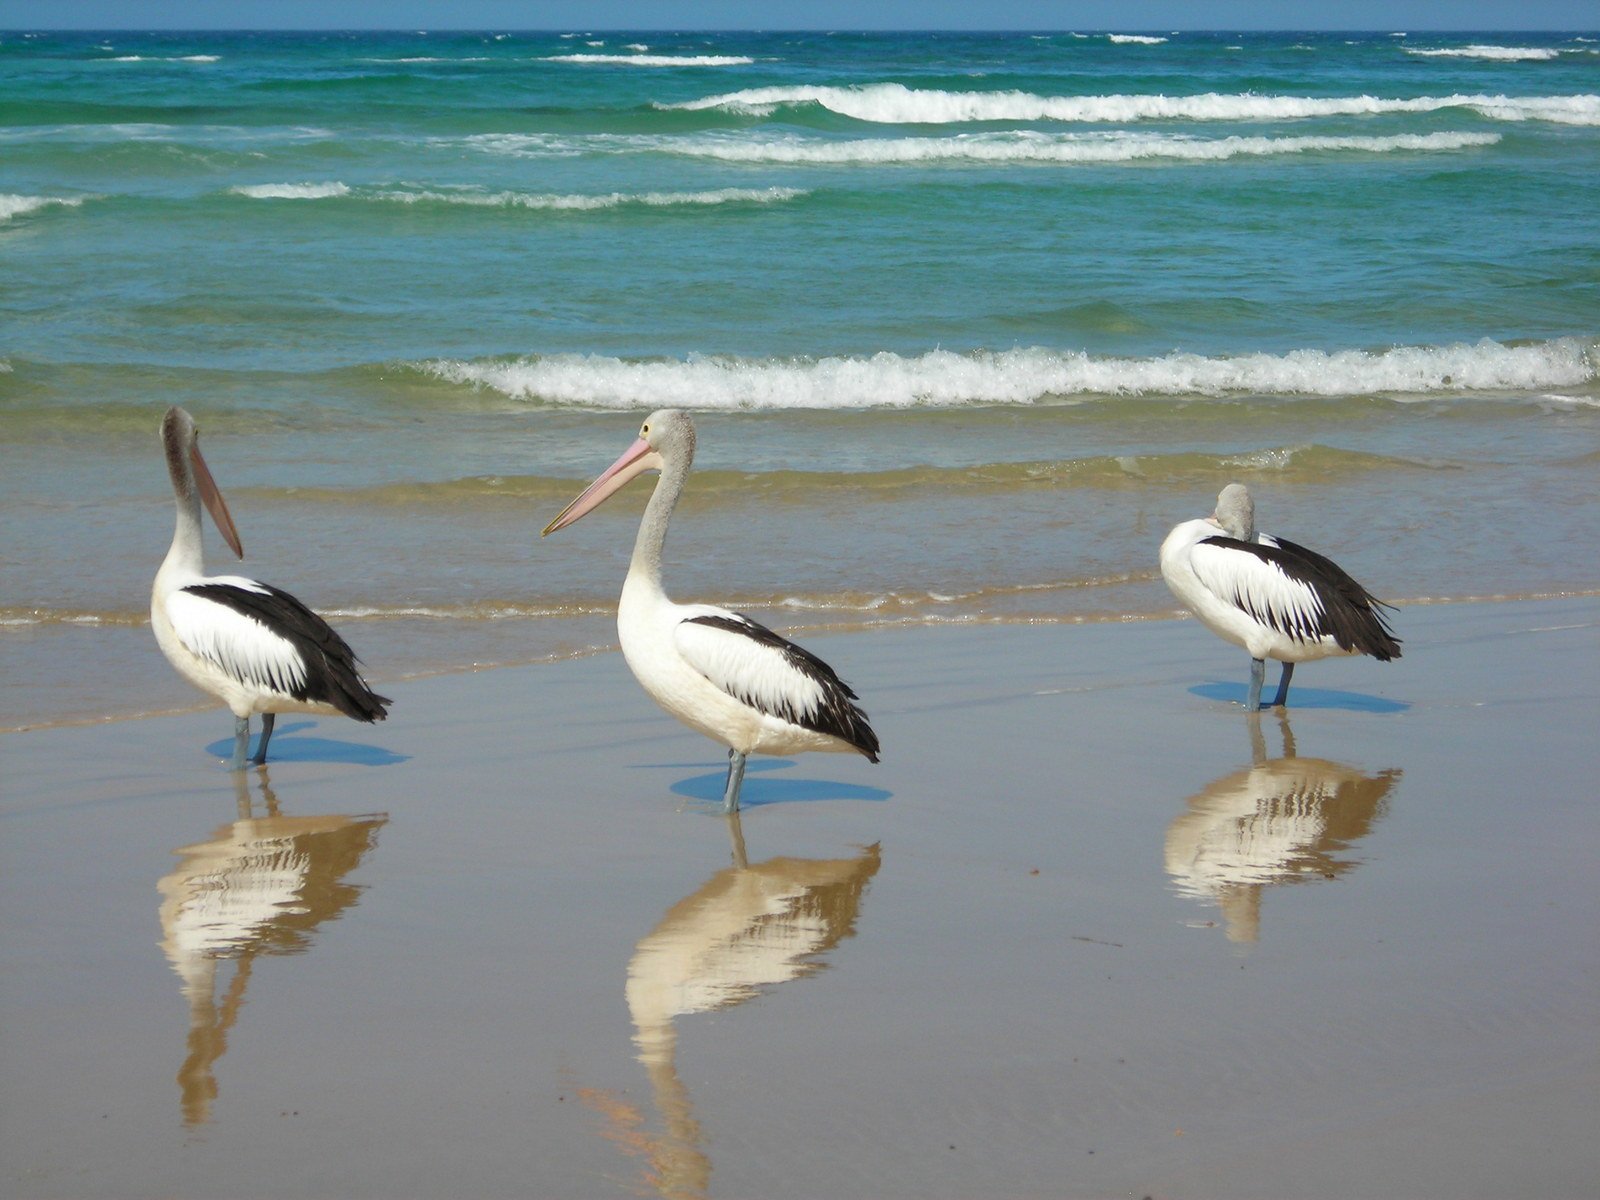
920,523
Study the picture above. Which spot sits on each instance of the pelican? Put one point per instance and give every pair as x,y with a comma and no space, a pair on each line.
1269,595
254,647
717,671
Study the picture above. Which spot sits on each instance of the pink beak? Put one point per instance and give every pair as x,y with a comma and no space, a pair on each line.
636,460
215,504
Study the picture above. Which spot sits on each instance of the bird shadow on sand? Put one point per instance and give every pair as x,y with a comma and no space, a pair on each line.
759,790
1299,697
286,747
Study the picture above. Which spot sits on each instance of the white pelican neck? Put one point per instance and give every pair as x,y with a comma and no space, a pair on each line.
646,563
188,541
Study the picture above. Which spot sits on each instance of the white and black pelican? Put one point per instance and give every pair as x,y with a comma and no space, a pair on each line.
1269,595
717,671
254,647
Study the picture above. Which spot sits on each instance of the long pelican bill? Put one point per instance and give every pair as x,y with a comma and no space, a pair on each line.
635,461
215,504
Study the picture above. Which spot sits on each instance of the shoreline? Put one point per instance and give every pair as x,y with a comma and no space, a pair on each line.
797,630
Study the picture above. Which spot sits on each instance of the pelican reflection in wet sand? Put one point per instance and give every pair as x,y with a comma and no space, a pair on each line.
260,886
1278,821
746,930
717,671
254,647
1269,595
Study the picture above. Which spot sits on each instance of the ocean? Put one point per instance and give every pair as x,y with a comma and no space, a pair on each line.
967,323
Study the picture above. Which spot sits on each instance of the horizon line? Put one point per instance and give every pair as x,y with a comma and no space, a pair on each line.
1153,30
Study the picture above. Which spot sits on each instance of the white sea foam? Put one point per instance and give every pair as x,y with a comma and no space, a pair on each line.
1023,147
17,206
292,191
896,104
586,202
1022,376
194,58
525,145
1133,39
1491,53
141,131
507,199
656,60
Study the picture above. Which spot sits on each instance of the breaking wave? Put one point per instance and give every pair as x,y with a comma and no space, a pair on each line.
193,58
1490,53
896,104
291,191
656,60
1024,147
1020,376
472,198
18,206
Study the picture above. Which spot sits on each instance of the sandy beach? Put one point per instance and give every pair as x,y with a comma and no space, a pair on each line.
968,320
1087,931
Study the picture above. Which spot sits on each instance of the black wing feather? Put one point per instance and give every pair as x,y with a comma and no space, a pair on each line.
1351,615
332,672
838,715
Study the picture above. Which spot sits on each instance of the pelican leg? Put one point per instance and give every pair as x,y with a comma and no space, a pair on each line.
241,741
1258,676
1283,687
267,722
730,794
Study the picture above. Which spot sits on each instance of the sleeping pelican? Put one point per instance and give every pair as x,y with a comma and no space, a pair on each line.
717,671
255,648
1269,595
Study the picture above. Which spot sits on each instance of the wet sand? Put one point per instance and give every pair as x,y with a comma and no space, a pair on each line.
1087,931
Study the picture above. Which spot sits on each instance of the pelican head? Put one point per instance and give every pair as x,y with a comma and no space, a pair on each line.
666,438
1236,513
190,475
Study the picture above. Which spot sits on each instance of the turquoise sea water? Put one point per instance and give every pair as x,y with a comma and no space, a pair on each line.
970,321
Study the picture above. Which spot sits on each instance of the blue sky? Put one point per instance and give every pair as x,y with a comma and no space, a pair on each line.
1384,15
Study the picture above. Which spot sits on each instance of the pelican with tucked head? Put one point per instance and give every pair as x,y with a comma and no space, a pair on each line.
1273,597
717,671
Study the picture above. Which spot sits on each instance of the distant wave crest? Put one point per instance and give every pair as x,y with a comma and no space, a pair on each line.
655,60
1020,376
17,206
1491,53
896,104
292,191
194,58
472,198
1023,147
